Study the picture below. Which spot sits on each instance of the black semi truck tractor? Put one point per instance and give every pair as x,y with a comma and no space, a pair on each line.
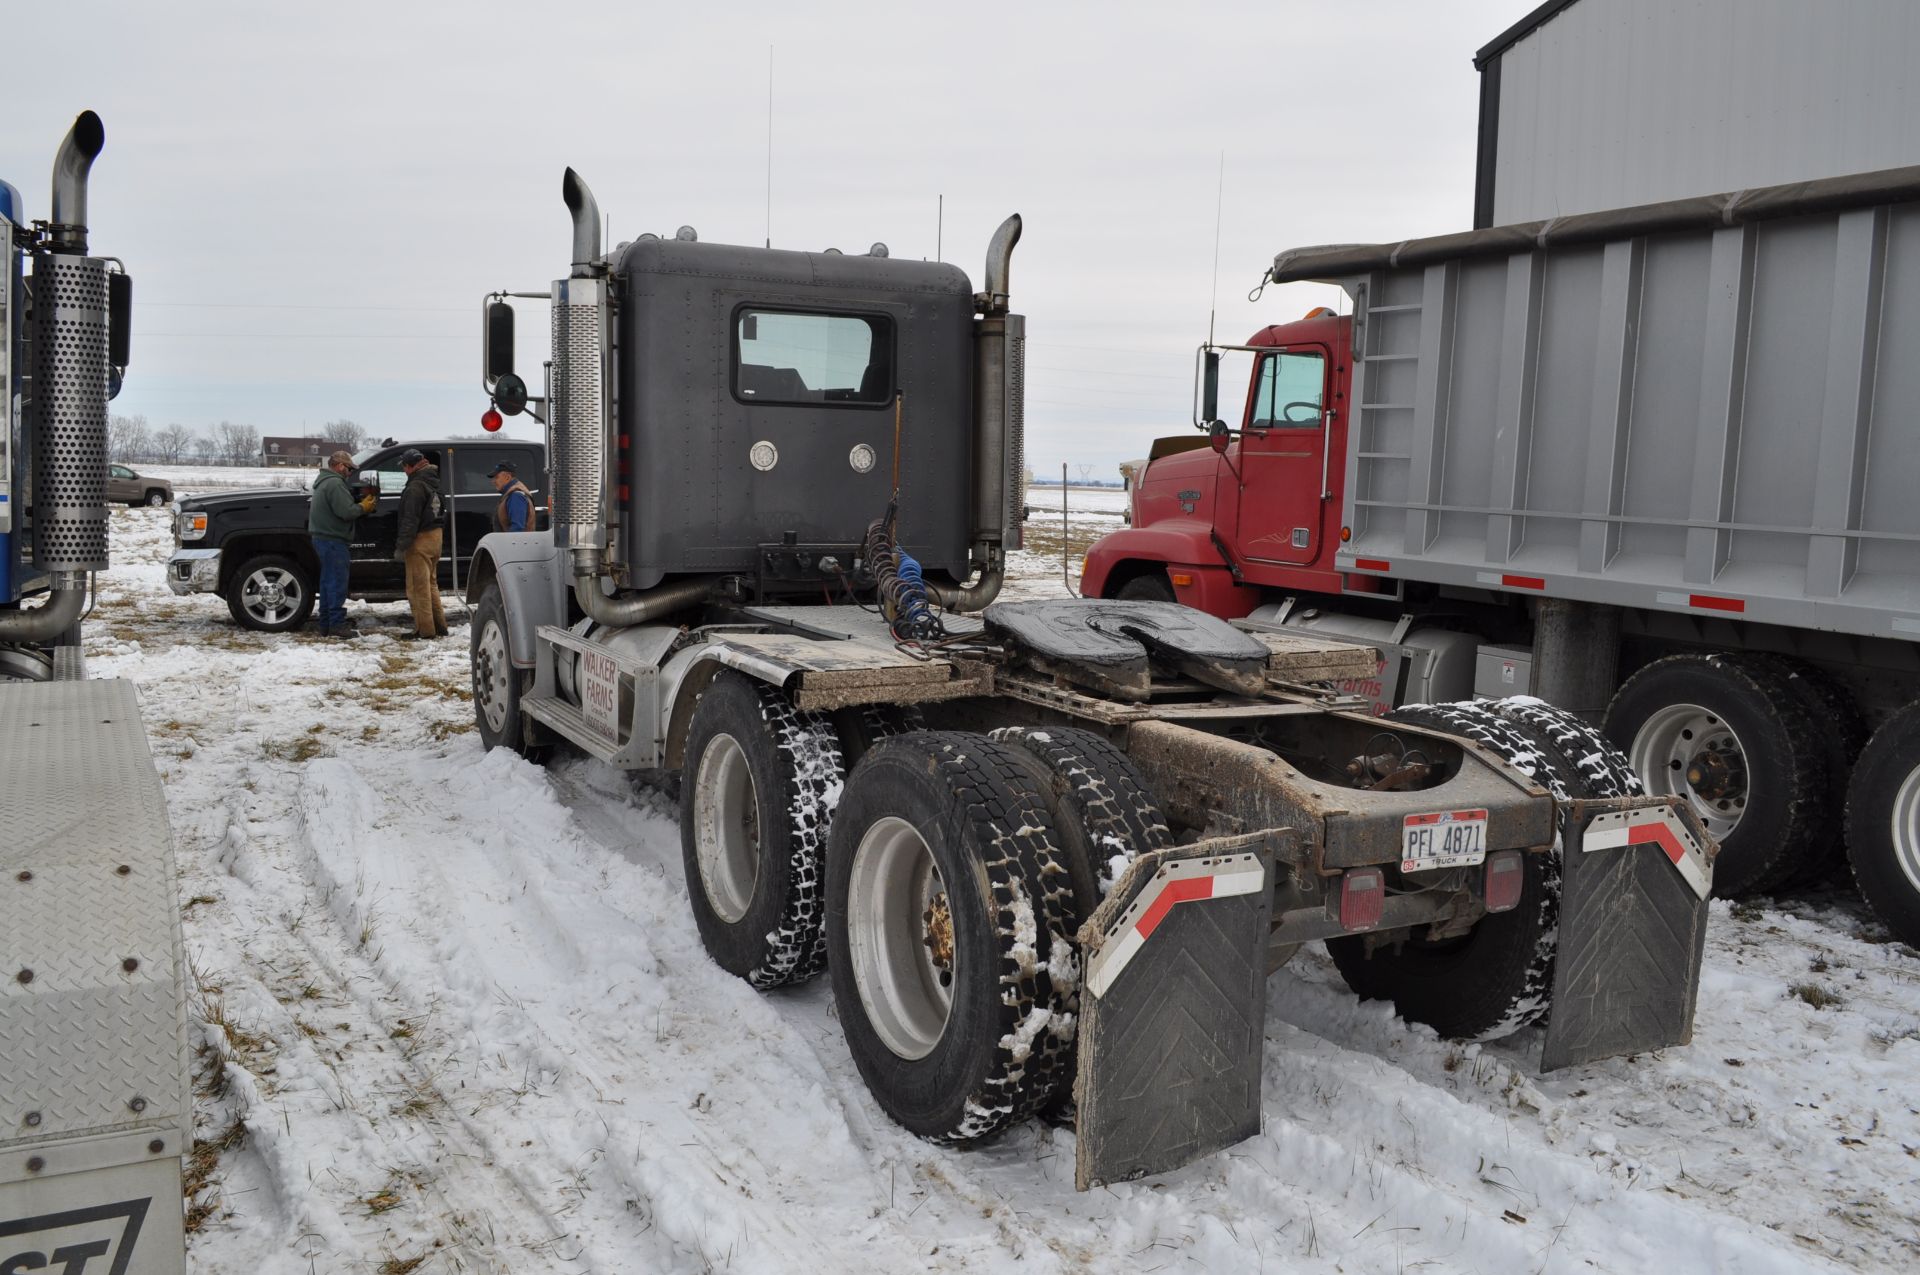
1047,851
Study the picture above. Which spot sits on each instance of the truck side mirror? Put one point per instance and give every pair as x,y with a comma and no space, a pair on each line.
1210,388
510,394
119,318
1218,436
500,344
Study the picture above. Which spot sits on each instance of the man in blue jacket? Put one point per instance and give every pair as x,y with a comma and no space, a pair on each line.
515,511
331,513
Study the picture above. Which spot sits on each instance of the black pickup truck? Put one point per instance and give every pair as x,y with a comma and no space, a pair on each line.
251,547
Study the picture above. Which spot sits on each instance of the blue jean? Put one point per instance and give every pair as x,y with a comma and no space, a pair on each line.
333,580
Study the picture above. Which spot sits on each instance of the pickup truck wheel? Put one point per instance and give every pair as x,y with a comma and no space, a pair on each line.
948,967
1883,824
155,499
1731,736
497,684
270,594
1152,587
1498,977
755,803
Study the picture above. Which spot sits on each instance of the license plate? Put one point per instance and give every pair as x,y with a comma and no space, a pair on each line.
600,694
1443,839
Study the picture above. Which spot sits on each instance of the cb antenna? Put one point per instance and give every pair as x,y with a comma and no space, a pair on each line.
769,146
1219,202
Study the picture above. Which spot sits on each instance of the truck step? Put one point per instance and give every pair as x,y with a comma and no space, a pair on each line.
570,723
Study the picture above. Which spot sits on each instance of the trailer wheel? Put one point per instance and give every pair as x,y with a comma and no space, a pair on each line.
1842,734
1731,736
270,594
755,802
1105,816
861,726
1883,824
1498,977
1152,587
950,970
497,685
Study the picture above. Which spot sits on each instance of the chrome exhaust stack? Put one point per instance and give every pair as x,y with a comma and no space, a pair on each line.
999,434
69,397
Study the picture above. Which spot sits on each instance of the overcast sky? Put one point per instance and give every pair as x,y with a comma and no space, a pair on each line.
312,202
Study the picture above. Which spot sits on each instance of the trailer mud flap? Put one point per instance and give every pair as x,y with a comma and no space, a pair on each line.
1173,1014
1633,928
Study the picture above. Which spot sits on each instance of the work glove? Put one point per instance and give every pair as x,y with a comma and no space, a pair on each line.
366,503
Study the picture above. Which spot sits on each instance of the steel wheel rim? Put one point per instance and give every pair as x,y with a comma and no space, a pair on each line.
895,904
271,595
1689,751
491,669
726,827
1906,827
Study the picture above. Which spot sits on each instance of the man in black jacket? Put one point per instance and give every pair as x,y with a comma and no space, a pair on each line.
417,542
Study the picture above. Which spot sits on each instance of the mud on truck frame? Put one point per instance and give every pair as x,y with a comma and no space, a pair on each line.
1048,852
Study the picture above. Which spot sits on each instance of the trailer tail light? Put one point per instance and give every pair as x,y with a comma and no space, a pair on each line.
1506,875
1363,898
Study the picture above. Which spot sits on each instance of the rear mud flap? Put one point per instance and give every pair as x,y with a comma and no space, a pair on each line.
1173,1014
1633,928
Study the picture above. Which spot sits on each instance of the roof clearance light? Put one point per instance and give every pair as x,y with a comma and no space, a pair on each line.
490,421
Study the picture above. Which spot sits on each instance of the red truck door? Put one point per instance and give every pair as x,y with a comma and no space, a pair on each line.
1283,458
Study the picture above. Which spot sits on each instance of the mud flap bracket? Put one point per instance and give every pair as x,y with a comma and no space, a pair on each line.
1173,1012
1635,876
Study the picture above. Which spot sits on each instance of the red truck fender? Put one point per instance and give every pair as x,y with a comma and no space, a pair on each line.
1184,551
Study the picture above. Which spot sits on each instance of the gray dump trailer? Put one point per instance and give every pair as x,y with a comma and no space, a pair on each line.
1690,433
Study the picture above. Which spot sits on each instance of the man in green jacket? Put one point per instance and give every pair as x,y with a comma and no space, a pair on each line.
331,513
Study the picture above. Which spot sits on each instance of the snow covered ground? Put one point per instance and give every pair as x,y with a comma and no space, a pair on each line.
454,1016
190,480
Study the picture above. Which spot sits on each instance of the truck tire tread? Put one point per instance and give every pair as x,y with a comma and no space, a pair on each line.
1013,1051
794,759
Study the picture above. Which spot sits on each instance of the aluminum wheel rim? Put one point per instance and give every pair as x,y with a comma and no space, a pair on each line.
1684,745
491,669
155,500
903,961
1906,827
271,595
726,827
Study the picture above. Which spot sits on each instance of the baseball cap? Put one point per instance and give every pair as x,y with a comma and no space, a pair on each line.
504,467
412,456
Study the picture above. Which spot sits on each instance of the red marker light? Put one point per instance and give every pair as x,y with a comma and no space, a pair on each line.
490,421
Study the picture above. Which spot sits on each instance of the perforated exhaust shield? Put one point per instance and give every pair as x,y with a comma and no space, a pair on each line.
579,429
1014,513
70,413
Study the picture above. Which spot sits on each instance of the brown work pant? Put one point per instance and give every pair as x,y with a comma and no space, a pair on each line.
423,584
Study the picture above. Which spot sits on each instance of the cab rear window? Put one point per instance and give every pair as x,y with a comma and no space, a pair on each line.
789,356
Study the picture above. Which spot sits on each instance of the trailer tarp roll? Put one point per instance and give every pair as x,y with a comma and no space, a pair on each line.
1701,212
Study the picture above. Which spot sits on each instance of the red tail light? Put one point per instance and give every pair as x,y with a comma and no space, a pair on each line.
1506,875
1363,897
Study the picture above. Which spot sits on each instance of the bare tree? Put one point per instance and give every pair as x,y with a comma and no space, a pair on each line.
236,444
172,443
126,438
348,434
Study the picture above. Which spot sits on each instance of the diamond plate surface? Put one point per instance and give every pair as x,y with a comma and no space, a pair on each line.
1170,1056
1627,975
92,1010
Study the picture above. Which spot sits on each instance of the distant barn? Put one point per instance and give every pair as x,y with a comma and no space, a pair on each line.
308,452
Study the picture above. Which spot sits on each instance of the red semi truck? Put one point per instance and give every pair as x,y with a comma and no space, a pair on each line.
1652,465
